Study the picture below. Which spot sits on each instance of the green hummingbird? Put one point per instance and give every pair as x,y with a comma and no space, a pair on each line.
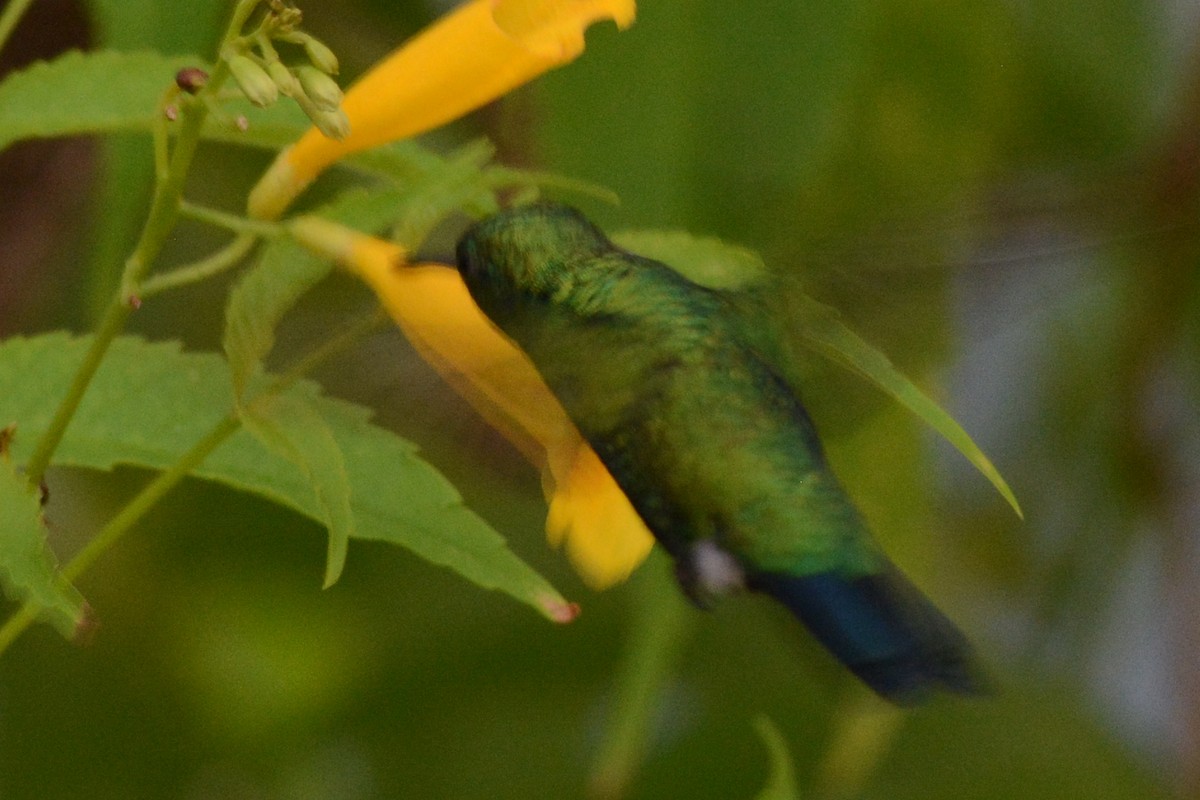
707,439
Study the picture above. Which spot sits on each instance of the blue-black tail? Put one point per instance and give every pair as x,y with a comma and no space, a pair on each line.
881,627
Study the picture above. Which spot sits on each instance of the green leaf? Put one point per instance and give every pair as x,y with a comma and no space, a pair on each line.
429,187
407,161
434,189
28,570
264,293
701,259
149,402
290,426
107,91
284,272
500,177
164,27
823,330
78,93
459,184
271,128
782,783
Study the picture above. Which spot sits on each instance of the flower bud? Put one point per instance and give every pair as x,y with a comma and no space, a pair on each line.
334,124
289,18
321,56
253,80
284,79
320,88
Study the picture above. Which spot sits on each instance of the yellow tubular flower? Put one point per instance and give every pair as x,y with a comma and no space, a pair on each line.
604,537
473,55
468,58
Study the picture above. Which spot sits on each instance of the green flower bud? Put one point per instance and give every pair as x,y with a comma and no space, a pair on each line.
320,88
334,124
321,56
253,80
284,79
289,18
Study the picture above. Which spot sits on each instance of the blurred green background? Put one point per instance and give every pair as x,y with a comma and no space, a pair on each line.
1002,196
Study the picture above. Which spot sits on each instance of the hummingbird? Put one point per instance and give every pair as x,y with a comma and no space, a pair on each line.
708,440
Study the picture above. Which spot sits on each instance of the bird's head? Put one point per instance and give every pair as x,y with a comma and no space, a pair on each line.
526,253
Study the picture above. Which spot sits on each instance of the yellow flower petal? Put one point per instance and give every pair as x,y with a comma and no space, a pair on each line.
605,538
468,58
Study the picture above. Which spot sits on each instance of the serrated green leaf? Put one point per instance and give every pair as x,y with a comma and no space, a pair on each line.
406,162
429,188
107,91
284,272
402,162
500,176
78,93
701,259
291,427
28,570
262,296
822,329
781,785
149,402
459,184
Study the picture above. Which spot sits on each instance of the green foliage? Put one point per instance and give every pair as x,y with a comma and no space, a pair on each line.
150,402
269,128
429,188
782,783
264,294
168,28
1029,741
703,259
458,184
106,92
292,428
28,571
103,92
898,157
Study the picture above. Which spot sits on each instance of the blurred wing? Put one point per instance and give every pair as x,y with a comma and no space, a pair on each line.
755,296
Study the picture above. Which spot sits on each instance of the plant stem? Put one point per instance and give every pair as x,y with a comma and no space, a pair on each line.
164,212
112,323
864,729
164,209
241,13
661,624
197,271
15,625
154,491
10,17
233,222
119,525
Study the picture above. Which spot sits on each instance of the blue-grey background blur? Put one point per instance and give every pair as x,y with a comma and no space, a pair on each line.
1002,195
